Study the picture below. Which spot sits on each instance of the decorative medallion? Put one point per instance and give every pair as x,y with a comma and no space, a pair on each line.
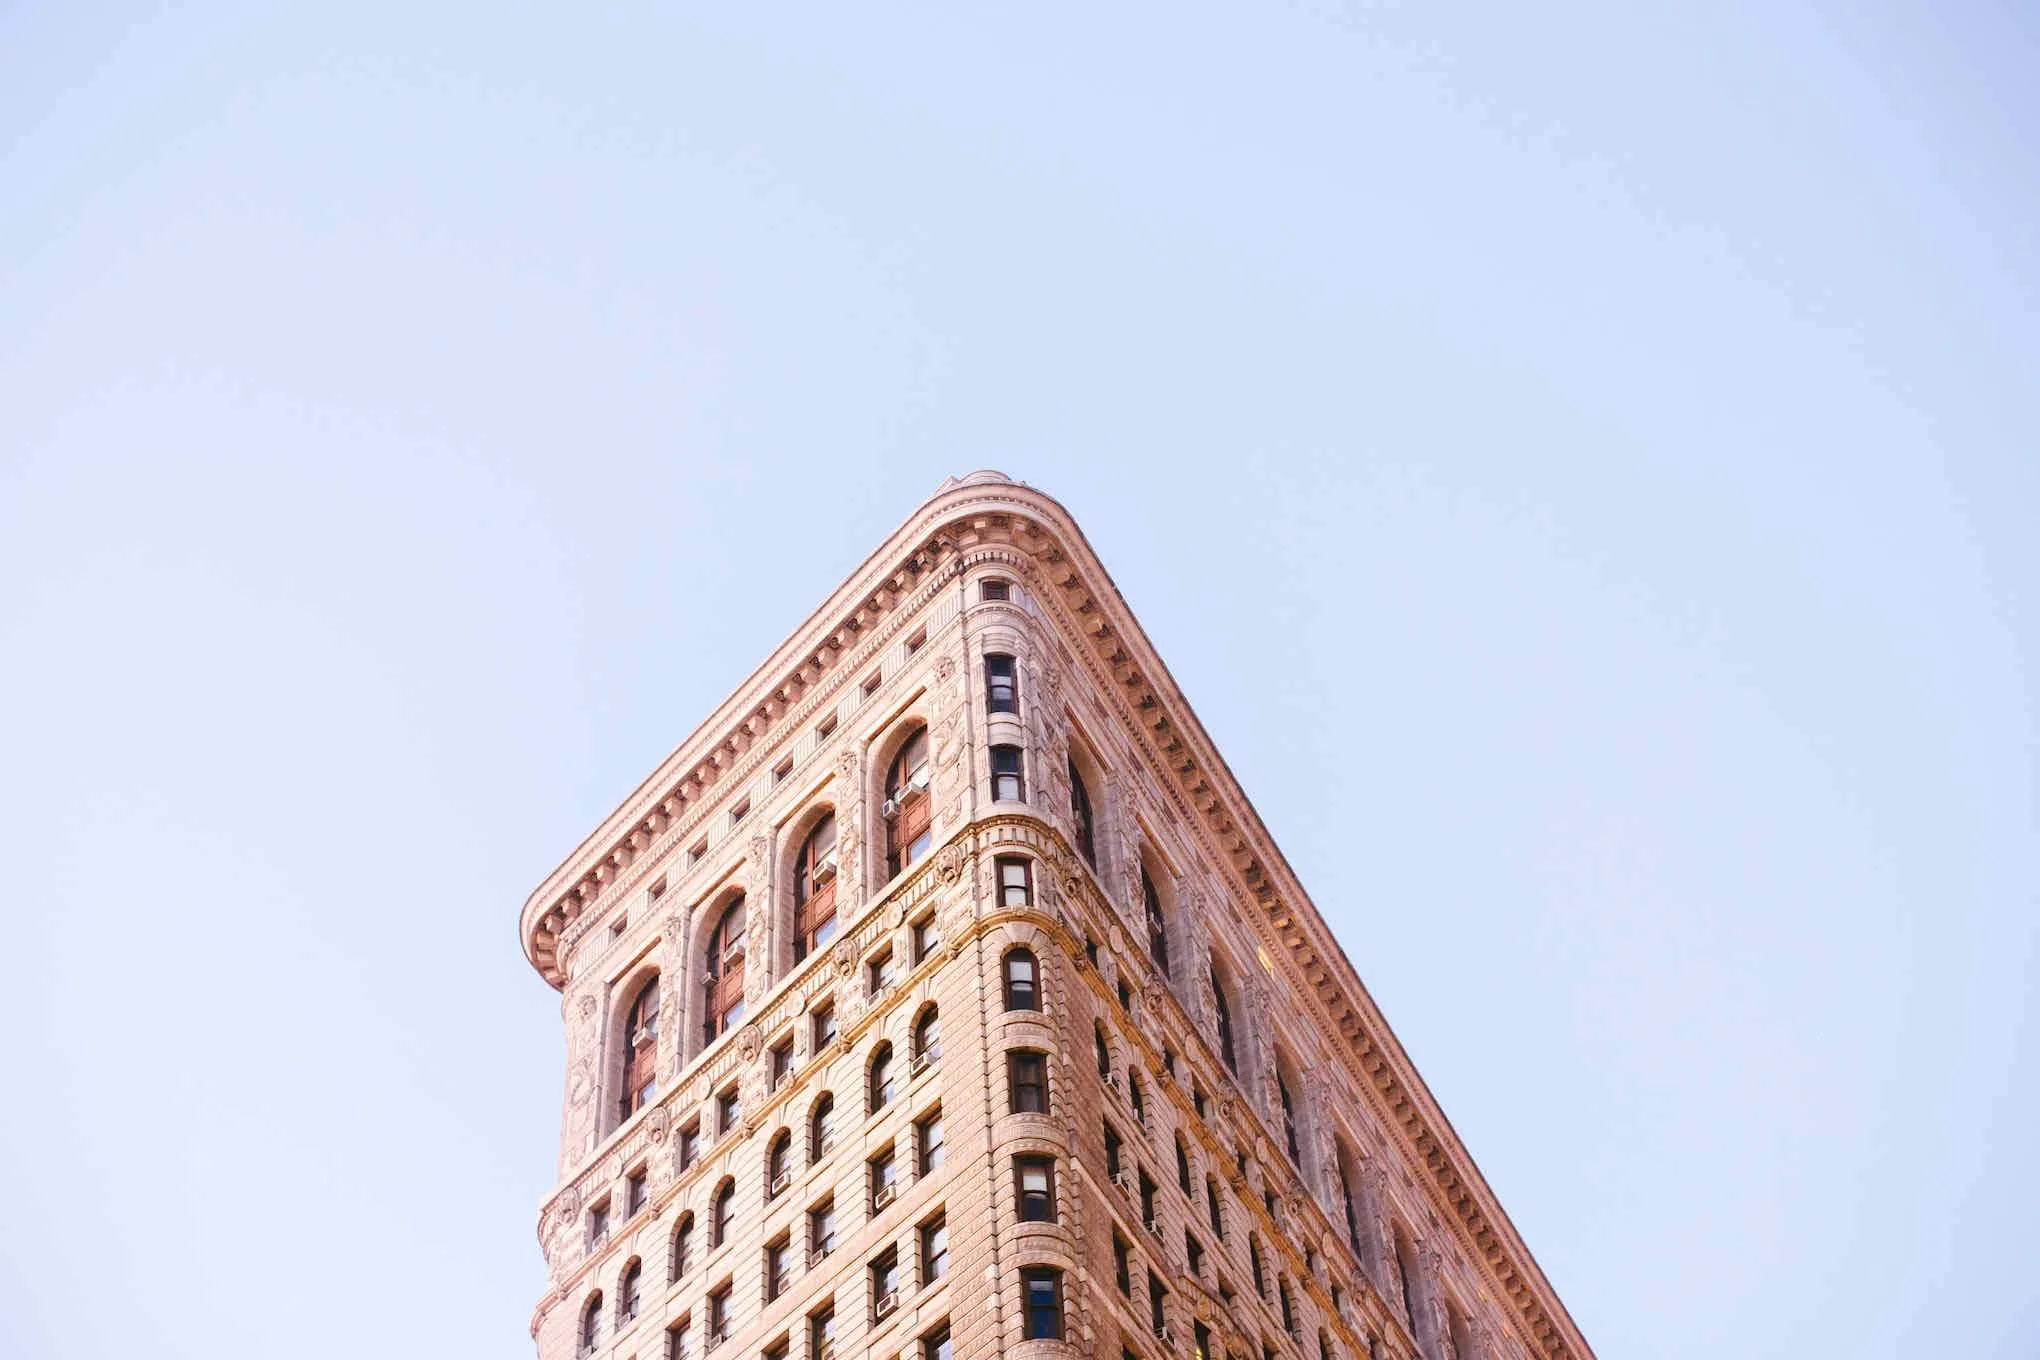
949,863
750,1043
658,1123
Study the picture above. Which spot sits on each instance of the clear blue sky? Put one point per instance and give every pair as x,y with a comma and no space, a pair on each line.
1581,462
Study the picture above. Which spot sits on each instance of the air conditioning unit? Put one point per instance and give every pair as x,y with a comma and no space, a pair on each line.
823,871
1168,1337
917,782
889,808
779,1183
1113,1083
886,1303
643,1037
919,1063
1124,1180
1154,1227
883,1196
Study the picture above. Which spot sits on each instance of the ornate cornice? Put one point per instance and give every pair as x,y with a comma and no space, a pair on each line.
984,511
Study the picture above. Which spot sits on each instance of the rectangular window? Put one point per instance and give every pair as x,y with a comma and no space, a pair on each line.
598,1225
1158,1303
935,1345
821,1328
782,1061
1041,1315
778,1266
1007,784
1026,1081
1193,1252
884,1270
740,811
1002,684
690,1144
822,1027
778,1350
928,1148
934,1250
1122,1264
821,1224
878,972
726,1112
884,1177
1112,1146
826,728
1016,881
917,641
871,684
696,853
1034,1188
634,1194
927,938
995,589
782,770
719,1314
679,1340
1147,1203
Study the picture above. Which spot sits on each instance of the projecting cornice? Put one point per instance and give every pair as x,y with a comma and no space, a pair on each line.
987,510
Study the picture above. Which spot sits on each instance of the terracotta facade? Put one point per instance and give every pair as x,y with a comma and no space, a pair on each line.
1235,1159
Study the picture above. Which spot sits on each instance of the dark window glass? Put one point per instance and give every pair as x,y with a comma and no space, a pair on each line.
814,889
934,1249
640,1051
995,590
882,1088
1080,815
722,974
1034,1188
1157,928
1008,786
1027,1081
1016,882
1022,993
1041,1308
1002,684
1225,1029
908,823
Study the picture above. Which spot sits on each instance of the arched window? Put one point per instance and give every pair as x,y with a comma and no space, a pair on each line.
821,1127
722,974
1182,1165
1223,1008
1288,1118
907,813
814,889
927,1037
779,1163
1080,816
723,1213
881,1078
1157,928
1022,993
683,1246
1104,1050
591,1323
627,1295
640,1051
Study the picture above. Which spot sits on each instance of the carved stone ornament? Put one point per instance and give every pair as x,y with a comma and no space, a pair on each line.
658,1123
1151,997
569,1203
758,847
846,762
675,930
944,668
949,864
587,1008
846,958
750,1043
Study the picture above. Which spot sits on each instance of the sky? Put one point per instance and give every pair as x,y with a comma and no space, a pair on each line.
1581,461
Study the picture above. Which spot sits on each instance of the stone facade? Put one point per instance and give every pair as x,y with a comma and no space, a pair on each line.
1243,1162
